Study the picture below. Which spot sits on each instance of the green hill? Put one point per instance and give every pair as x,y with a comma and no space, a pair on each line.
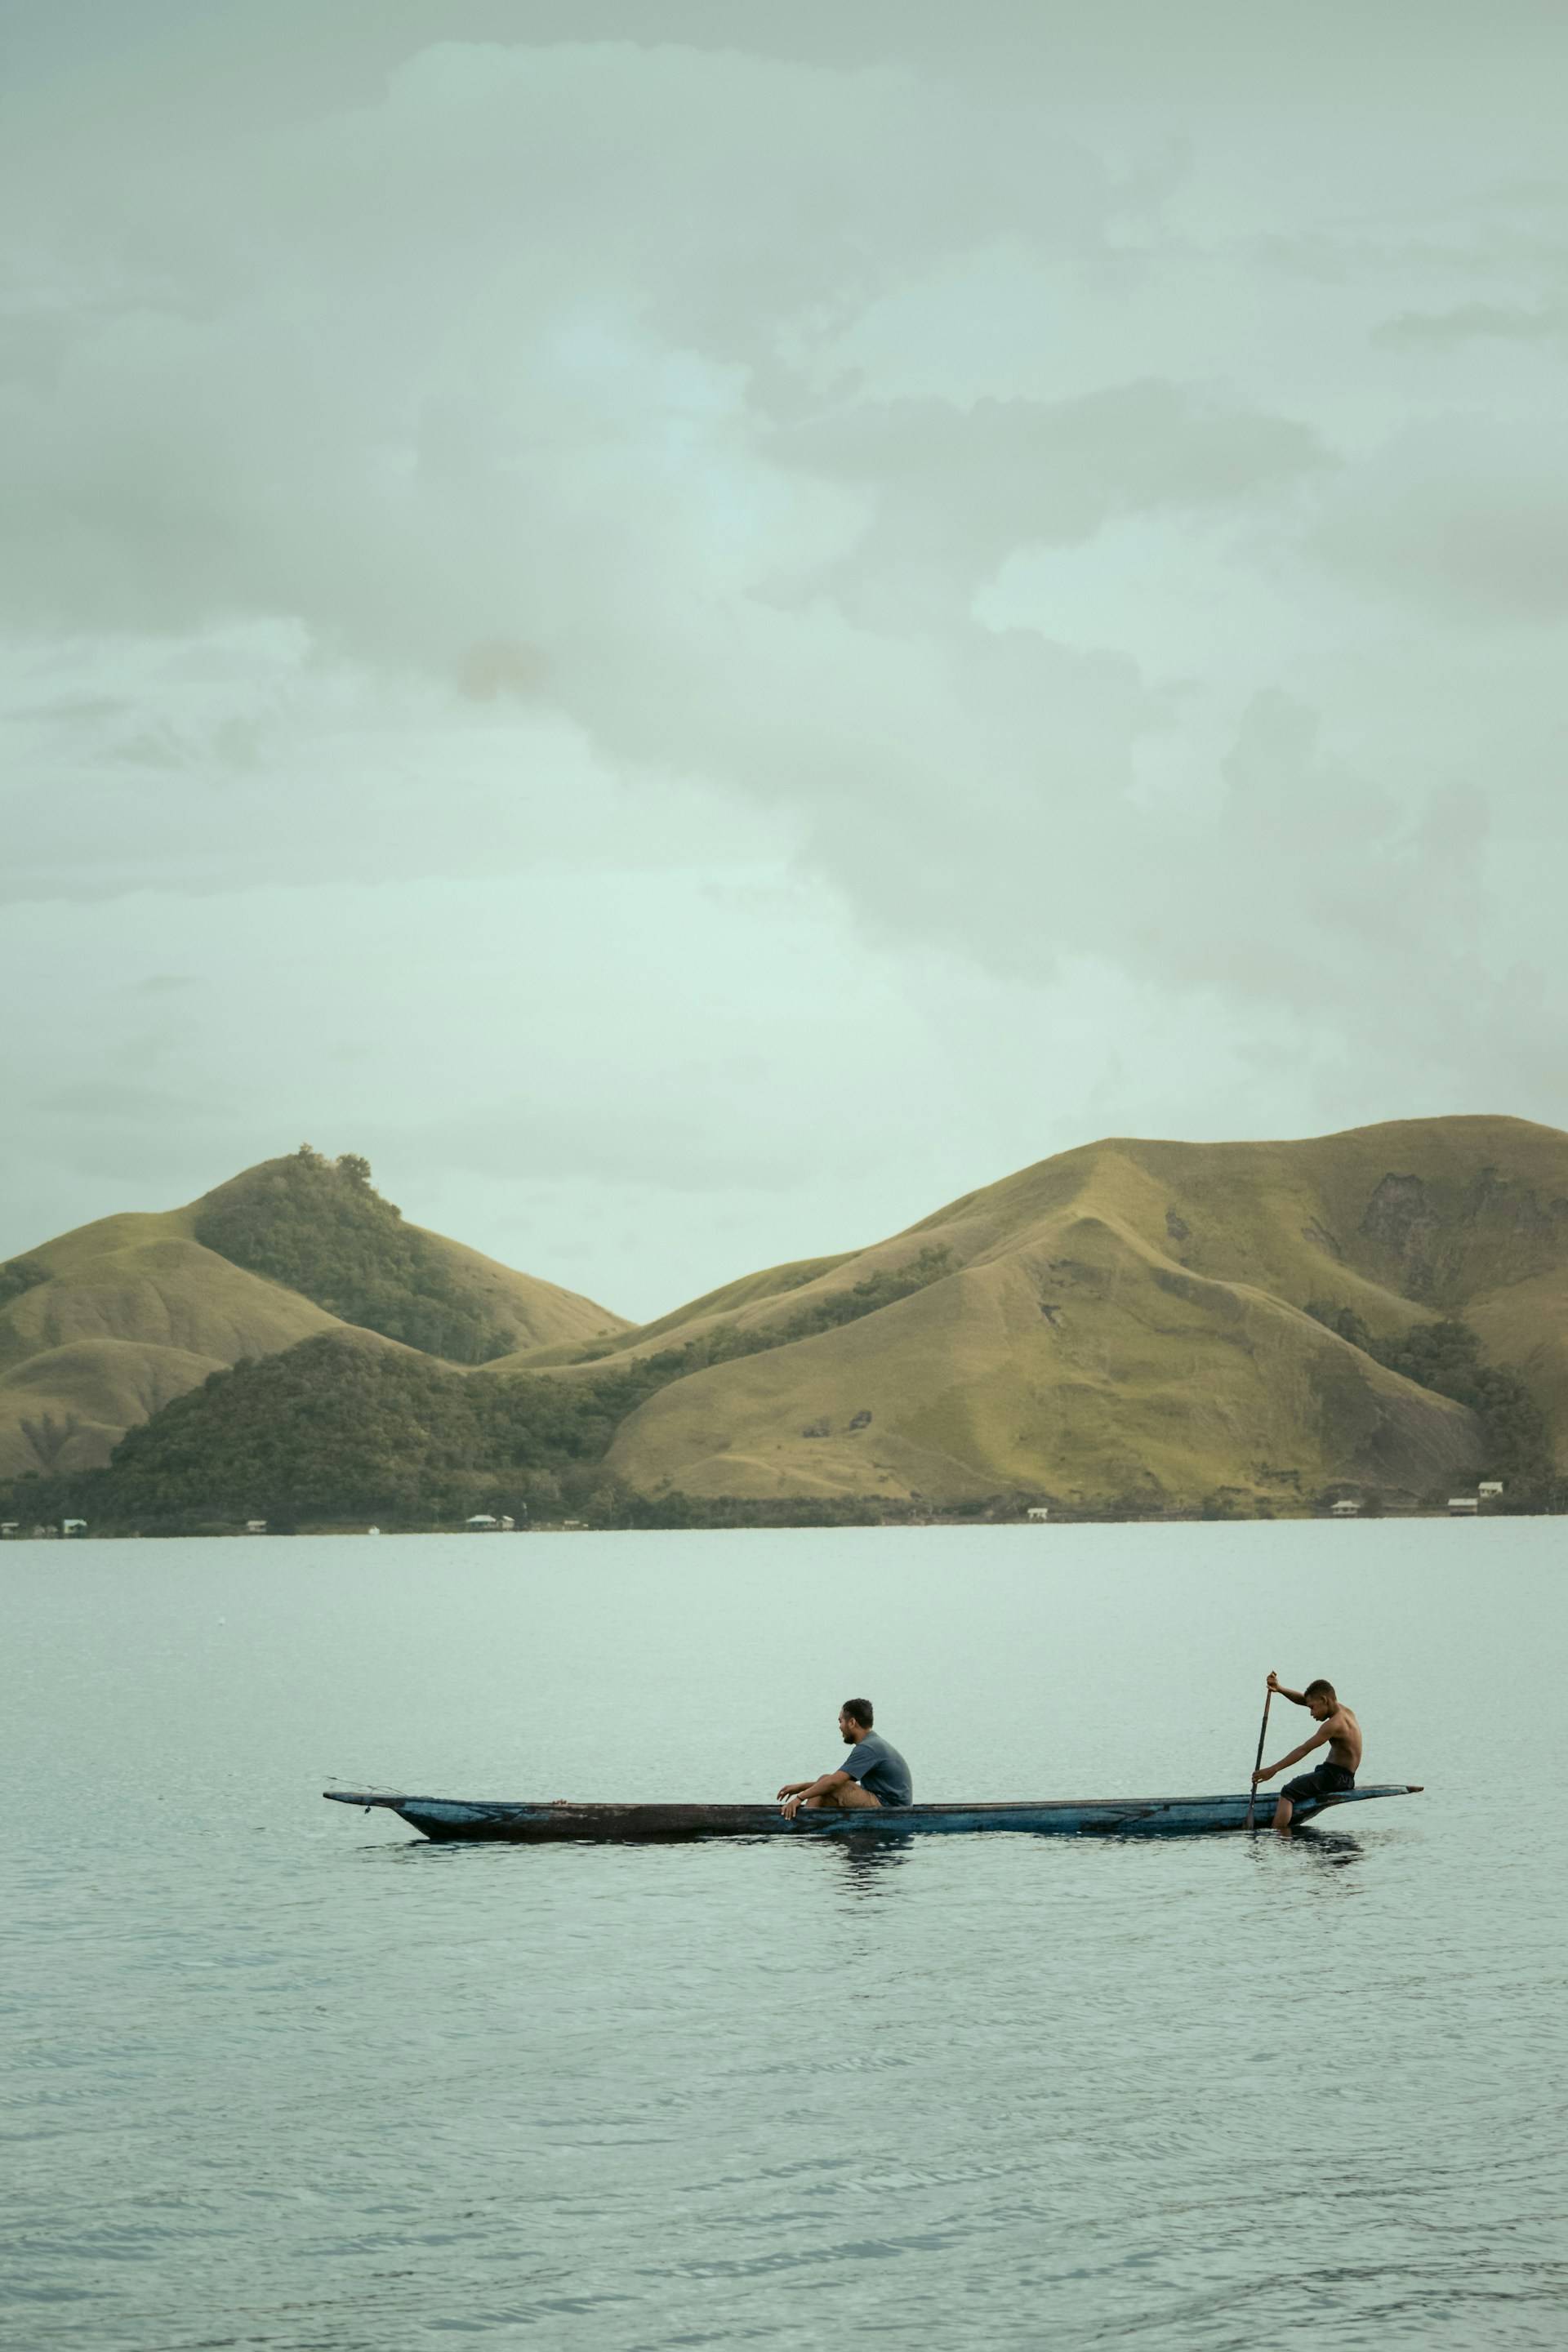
333,1429
103,1326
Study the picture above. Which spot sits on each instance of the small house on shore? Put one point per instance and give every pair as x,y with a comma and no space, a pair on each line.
9,1528
1489,1489
1039,1512
1347,1508
256,1526
73,1527
1463,1507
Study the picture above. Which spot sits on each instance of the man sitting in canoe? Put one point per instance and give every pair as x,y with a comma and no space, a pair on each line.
1335,1777
871,1775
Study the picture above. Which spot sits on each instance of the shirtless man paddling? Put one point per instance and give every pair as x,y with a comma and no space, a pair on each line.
1336,1725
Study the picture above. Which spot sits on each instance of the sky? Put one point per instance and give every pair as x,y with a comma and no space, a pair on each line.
700,625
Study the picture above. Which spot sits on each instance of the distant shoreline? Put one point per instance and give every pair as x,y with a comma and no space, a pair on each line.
342,1530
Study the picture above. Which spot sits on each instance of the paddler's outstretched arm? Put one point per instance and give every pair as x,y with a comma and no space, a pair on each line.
1296,1698
1268,1770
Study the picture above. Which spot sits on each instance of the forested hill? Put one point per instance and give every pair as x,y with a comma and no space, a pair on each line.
319,1227
103,1326
338,1432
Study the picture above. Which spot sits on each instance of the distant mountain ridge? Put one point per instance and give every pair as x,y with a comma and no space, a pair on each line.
1132,1325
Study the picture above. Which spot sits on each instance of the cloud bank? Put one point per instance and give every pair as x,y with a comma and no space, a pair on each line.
1066,530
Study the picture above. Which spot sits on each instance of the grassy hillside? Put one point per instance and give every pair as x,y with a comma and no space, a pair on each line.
714,1311
101,1328
769,1287
1130,1320
1132,1325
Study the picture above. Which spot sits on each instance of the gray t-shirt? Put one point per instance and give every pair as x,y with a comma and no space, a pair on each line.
879,1768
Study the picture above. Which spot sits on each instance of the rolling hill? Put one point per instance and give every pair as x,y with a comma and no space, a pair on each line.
1133,1325
1130,1321
101,1328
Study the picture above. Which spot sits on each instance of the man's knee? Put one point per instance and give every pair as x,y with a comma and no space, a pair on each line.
855,1799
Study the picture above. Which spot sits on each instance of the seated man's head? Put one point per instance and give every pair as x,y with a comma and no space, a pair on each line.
855,1719
1319,1697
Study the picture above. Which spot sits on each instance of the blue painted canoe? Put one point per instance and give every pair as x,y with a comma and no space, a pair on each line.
546,1822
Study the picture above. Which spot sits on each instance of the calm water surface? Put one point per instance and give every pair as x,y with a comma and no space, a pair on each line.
279,2075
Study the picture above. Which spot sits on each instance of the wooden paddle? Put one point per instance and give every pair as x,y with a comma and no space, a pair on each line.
1257,1763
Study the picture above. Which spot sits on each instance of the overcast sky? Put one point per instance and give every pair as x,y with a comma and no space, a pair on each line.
698,626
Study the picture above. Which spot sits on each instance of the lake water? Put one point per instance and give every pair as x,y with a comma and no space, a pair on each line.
279,2075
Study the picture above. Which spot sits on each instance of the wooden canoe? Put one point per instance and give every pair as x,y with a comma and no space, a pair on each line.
525,1823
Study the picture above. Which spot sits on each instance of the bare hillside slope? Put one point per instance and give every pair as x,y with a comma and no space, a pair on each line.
1130,1319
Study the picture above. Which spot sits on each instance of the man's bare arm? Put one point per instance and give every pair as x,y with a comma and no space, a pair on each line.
796,1791
1295,1756
1296,1698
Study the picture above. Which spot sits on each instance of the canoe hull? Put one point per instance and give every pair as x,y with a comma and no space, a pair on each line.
551,1822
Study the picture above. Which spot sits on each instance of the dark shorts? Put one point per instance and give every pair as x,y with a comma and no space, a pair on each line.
1326,1781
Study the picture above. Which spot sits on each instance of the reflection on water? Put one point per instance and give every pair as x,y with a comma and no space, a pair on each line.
862,1858
1330,1849
866,1860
